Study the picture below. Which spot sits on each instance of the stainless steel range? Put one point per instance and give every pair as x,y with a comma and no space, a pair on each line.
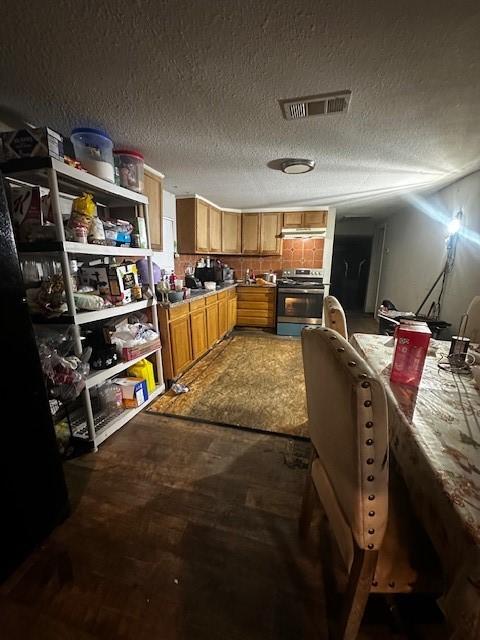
299,300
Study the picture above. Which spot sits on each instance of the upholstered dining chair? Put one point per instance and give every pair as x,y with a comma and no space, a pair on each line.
379,542
472,330
334,316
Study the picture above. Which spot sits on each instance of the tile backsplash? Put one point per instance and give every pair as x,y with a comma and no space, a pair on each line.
299,252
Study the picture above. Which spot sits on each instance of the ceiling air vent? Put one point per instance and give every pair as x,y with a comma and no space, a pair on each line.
321,105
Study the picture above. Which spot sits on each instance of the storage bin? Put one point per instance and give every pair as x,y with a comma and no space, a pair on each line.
94,149
129,169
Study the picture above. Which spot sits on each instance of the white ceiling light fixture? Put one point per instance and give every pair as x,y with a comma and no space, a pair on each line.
297,165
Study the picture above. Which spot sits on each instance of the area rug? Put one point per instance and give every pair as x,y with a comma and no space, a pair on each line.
250,381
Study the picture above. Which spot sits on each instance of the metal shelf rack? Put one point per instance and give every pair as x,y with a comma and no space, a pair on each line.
61,179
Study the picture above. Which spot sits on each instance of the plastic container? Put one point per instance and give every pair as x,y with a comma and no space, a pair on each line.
210,286
143,369
94,149
129,169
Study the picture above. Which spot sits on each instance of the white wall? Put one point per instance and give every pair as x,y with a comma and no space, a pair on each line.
165,258
355,227
415,251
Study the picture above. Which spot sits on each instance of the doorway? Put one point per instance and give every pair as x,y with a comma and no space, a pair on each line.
350,271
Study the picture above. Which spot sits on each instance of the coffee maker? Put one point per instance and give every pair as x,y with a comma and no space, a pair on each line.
209,274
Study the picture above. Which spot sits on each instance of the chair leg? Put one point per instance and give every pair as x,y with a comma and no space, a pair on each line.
358,589
309,500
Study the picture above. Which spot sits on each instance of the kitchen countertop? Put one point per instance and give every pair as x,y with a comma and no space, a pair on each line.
196,294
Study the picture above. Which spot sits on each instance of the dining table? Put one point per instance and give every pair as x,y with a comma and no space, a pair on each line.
434,433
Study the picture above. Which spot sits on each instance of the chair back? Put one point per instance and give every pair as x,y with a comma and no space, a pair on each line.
347,411
334,316
473,325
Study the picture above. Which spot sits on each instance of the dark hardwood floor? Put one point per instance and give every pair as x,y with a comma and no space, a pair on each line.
179,531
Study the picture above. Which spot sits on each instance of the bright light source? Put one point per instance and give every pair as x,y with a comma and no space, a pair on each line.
454,225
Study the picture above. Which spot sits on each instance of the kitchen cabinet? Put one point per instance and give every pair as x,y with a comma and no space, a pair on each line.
211,312
153,189
181,343
305,219
270,229
198,327
260,233
256,306
222,315
215,229
202,242
189,329
251,234
231,232
232,312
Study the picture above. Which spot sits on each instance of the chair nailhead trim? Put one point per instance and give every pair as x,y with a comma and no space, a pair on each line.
370,546
362,375
371,497
371,513
369,442
374,583
369,460
332,338
352,363
371,531
340,349
368,424
370,478
367,403
365,384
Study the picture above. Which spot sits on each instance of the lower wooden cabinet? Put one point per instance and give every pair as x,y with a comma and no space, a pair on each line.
212,324
181,343
190,329
256,306
198,325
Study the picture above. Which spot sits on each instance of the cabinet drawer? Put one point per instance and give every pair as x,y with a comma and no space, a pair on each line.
231,293
249,321
178,312
256,298
254,313
211,300
248,304
223,295
197,304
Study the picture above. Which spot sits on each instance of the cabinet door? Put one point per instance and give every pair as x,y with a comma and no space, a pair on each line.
198,323
232,313
315,219
212,324
215,227
222,317
293,220
271,223
251,233
202,243
153,190
180,344
231,232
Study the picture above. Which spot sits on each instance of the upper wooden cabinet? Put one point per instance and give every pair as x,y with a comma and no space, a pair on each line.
231,232
260,233
153,188
305,219
270,228
199,227
251,234
215,229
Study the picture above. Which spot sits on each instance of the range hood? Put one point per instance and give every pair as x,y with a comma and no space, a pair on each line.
303,233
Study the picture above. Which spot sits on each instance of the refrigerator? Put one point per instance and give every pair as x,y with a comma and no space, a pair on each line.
33,493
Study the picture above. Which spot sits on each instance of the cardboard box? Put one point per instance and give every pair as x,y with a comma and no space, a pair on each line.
134,391
111,281
31,143
412,340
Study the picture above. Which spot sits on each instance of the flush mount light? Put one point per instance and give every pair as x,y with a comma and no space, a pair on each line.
297,165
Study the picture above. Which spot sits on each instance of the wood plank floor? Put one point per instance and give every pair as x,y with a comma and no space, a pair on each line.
179,531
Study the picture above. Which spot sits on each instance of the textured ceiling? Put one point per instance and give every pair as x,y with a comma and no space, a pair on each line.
195,85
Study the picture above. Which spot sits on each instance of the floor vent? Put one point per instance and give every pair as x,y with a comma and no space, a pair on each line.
320,105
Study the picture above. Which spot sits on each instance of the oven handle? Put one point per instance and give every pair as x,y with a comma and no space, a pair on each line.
314,291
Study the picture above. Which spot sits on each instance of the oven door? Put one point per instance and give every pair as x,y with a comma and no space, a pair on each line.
300,305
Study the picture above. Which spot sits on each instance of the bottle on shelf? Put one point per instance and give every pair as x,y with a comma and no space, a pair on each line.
172,279
247,276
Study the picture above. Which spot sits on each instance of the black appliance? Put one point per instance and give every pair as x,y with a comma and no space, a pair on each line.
300,295
33,493
192,282
210,274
